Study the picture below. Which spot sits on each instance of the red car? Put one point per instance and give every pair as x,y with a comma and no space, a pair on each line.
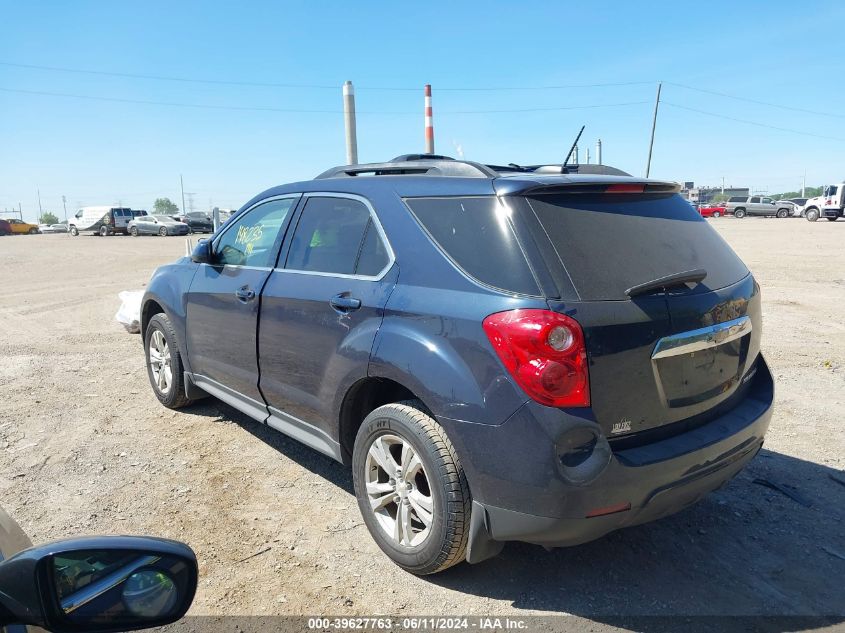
712,212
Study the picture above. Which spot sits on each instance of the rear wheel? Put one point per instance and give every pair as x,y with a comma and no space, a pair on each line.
74,231
163,232
411,488
782,213
164,363
812,214
739,213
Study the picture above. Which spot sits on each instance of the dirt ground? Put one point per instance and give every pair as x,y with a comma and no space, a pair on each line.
86,448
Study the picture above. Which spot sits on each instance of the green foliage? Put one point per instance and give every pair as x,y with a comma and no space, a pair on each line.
809,192
49,218
164,206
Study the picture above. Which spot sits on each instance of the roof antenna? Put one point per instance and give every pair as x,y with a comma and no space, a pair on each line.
572,149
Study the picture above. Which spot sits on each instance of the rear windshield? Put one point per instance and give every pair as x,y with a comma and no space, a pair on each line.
476,234
611,243
737,199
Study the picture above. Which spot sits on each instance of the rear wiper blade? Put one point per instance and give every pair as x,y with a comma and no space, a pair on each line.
686,277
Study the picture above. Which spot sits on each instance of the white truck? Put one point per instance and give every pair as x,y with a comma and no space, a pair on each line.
829,205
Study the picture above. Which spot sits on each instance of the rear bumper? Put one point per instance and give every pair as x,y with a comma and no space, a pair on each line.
657,480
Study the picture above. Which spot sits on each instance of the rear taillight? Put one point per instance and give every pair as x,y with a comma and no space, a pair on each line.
544,352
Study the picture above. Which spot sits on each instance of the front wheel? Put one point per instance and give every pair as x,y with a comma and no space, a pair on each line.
33,231
104,230
832,219
163,232
739,213
717,214
812,215
134,231
411,488
164,363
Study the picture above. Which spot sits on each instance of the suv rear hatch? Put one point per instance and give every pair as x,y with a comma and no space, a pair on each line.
671,316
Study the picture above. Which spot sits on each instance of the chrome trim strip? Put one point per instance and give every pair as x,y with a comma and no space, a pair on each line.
98,588
391,257
702,338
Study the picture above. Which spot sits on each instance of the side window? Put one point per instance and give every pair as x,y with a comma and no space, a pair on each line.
78,214
251,239
832,191
373,256
768,201
754,200
328,236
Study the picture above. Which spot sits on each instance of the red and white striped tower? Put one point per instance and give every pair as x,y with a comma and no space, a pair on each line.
429,122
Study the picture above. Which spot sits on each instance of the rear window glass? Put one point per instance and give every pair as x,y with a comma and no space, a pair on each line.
611,243
736,199
476,234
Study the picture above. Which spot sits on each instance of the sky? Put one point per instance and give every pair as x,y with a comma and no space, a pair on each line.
236,97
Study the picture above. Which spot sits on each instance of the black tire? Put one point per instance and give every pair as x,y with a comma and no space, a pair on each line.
134,231
717,214
104,230
74,231
739,213
832,219
811,214
782,213
175,397
34,231
446,543
162,231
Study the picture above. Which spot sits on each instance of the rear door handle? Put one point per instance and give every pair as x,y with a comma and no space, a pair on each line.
245,294
345,303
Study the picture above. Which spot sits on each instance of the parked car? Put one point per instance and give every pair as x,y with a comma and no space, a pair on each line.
197,221
100,220
107,583
19,227
497,356
56,228
5,227
712,211
741,206
157,225
798,209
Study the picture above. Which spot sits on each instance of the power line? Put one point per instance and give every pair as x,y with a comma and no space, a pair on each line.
771,127
307,111
757,101
261,84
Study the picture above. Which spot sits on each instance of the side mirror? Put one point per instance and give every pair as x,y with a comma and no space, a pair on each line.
100,584
202,252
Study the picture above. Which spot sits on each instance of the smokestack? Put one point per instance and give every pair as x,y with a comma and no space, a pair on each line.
587,156
349,120
429,122
598,152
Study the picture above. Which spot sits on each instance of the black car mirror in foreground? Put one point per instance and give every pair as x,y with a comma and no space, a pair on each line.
112,583
202,252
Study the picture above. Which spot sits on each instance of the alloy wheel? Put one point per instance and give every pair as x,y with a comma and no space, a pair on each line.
398,490
160,362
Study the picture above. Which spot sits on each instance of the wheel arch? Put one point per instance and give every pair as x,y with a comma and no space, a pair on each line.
363,397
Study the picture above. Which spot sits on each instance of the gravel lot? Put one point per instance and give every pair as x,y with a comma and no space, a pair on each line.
86,448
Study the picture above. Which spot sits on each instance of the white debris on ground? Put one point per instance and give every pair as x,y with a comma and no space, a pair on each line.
129,314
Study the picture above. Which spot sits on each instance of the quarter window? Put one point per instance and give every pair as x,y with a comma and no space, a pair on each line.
251,239
336,235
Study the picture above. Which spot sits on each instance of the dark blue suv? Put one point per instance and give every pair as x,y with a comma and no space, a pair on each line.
542,354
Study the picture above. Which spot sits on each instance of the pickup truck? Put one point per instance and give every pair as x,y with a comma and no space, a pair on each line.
741,206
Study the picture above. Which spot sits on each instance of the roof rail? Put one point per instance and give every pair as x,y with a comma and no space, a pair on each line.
605,170
411,165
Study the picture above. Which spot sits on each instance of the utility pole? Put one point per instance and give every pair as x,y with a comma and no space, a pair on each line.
64,204
803,183
20,211
653,126
723,185
40,211
182,187
349,121
429,122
